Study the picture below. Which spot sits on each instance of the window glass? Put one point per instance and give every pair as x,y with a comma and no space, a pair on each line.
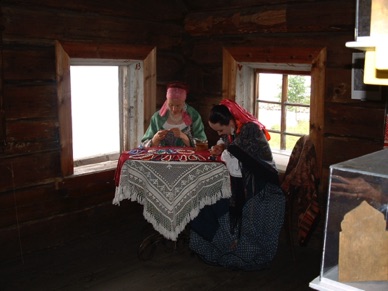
95,111
269,114
283,106
298,120
270,87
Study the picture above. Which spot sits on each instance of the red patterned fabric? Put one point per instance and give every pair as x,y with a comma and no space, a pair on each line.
301,182
176,155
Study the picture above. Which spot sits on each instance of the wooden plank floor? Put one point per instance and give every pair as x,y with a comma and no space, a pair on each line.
109,261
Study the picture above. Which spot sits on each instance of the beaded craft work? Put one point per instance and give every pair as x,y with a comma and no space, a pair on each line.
165,155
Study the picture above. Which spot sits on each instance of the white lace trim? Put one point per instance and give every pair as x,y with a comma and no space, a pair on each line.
172,193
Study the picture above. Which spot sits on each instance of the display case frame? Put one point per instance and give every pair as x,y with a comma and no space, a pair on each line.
363,179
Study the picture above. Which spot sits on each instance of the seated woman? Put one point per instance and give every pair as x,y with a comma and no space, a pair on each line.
176,123
241,232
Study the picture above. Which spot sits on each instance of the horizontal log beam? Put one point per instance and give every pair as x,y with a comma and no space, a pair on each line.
280,18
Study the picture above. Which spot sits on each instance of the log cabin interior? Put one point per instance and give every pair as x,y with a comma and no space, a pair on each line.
47,200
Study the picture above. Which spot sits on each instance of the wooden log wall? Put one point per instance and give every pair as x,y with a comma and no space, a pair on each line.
351,127
38,207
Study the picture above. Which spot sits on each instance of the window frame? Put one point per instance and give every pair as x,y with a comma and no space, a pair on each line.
283,103
241,61
68,53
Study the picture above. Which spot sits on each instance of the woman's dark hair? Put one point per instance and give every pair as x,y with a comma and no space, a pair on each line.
220,114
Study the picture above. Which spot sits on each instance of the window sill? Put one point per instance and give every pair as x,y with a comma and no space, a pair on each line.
281,161
97,167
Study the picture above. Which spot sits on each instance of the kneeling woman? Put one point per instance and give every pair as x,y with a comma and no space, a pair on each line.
241,232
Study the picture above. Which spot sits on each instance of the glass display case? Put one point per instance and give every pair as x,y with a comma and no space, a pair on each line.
355,251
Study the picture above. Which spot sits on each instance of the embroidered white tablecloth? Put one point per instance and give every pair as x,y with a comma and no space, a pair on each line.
172,193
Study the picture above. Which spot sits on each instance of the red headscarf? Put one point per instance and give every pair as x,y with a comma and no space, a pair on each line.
242,116
178,91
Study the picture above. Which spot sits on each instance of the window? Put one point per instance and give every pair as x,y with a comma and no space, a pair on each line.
283,106
100,90
240,82
135,71
95,113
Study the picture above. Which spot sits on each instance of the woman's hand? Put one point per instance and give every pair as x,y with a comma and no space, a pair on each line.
159,136
179,134
355,187
217,149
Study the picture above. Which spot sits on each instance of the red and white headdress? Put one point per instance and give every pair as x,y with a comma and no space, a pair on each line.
178,91
242,116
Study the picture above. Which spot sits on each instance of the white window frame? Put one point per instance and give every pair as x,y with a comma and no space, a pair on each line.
131,104
247,71
240,63
283,103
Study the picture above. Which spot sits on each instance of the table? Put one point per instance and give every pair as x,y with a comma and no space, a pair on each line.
172,190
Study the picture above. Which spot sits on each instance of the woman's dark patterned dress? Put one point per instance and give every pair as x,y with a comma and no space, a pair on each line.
242,232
